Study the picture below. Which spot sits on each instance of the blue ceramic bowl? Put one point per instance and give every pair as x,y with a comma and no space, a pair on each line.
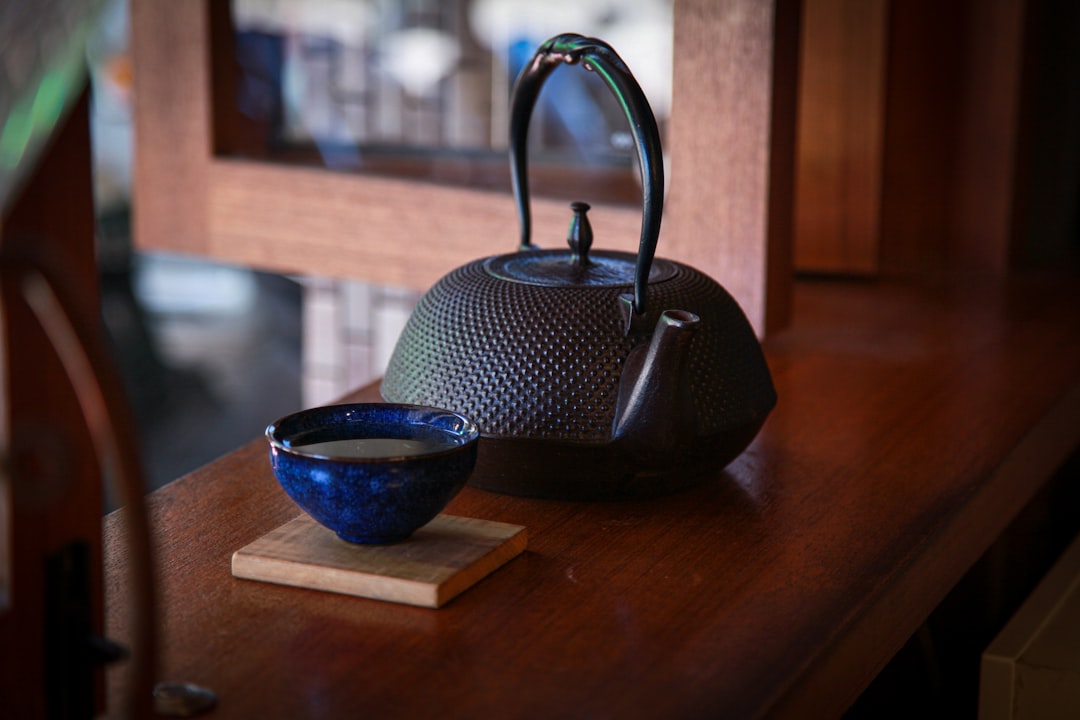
373,473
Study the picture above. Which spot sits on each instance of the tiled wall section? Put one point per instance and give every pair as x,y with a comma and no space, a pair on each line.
350,329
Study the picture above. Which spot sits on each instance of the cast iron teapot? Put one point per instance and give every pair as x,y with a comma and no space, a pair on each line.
592,374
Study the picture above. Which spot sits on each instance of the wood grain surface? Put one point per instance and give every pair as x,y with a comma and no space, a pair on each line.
914,422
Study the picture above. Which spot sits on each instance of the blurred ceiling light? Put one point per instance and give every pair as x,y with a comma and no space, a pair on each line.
418,58
640,31
347,21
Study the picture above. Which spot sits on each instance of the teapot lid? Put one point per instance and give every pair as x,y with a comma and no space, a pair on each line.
557,268
576,267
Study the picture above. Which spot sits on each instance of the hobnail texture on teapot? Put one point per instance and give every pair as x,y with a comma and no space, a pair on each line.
592,374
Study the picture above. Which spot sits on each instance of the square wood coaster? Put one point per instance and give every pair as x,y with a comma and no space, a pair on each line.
436,564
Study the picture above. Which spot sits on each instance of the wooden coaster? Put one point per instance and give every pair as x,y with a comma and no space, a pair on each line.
440,561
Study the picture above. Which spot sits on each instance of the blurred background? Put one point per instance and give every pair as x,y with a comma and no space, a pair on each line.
212,353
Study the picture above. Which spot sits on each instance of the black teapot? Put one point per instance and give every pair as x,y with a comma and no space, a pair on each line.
591,374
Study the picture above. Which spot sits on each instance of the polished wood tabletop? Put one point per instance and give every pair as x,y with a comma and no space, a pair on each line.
914,420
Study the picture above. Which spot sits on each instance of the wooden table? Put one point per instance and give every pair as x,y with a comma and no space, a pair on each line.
914,421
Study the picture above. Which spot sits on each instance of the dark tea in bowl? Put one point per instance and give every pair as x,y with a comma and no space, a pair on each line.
371,448
373,472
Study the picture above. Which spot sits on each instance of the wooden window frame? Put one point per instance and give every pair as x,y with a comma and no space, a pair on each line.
731,150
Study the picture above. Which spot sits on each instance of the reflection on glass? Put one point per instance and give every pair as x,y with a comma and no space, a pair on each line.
421,87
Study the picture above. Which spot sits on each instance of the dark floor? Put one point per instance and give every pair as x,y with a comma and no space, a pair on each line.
206,374
936,674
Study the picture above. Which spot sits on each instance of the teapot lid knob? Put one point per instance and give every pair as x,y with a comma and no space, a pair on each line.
580,235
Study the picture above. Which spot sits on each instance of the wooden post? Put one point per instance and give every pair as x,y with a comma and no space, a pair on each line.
841,136
56,493
732,146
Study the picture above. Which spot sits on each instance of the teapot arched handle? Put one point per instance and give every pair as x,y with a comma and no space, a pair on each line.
598,56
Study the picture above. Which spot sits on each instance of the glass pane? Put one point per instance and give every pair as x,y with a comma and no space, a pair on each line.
420,88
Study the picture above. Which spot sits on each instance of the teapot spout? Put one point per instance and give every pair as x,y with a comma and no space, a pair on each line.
655,412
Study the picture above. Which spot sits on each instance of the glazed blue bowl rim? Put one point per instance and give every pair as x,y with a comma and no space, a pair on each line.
424,415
